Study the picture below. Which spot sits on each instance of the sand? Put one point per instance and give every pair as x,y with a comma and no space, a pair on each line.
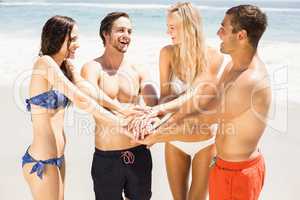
279,146
279,143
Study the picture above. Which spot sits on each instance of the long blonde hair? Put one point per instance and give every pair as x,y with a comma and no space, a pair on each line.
191,52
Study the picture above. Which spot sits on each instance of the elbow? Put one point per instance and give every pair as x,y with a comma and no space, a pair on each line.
150,96
205,104
81,102
152,101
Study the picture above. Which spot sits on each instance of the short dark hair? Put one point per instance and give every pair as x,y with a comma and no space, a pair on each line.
107,23
249,18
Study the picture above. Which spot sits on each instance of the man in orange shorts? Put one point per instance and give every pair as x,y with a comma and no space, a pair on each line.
239,102
239,169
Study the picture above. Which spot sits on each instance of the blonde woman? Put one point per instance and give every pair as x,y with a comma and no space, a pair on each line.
183,63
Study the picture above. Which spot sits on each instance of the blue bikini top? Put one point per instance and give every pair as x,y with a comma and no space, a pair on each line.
51,99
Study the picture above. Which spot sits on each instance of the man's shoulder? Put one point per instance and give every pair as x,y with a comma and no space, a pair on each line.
90,68
257,83
255,76
92,65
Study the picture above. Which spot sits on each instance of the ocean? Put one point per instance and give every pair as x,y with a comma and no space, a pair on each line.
21,23
27,17
20,28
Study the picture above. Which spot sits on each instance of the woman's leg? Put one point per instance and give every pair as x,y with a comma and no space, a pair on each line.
47,188
178,167
200,171
62,171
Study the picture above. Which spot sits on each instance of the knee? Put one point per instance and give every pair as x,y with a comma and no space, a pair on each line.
198,195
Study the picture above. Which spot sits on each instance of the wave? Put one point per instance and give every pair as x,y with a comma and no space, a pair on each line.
76,4
266,9
131,6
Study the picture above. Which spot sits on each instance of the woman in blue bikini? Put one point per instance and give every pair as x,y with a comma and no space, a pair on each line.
51,90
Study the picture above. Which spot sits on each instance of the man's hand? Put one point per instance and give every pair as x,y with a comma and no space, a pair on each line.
142,124
149,140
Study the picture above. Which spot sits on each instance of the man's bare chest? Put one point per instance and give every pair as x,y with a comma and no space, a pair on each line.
123,85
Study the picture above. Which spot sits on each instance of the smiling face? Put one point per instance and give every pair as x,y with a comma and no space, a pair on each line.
71,44
120,36
173,27
229,39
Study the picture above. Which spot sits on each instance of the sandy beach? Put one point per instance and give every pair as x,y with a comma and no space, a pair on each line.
279,146
19,45
279,143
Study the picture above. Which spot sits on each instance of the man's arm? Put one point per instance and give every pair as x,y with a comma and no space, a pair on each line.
180,131
197,99
250,92
207,77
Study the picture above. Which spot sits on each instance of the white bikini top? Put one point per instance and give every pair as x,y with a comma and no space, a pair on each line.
178,86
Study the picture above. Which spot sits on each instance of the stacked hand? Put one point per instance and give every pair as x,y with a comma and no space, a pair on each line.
141,123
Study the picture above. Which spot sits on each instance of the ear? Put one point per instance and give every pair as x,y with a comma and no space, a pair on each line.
242,35
105,34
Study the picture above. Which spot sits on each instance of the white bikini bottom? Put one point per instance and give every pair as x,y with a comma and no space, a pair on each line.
191,148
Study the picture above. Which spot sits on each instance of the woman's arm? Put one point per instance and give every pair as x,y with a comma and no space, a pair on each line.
201,92
165,72
147,89
87,82
53,74
181,131
204,90
168,102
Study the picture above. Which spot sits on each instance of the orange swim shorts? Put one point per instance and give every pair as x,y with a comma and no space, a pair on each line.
236,180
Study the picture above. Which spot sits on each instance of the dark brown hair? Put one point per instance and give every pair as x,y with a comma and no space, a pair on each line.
54,33
249,18
107,23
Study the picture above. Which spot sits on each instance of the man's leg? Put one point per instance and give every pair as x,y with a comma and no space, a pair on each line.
139,175
107,176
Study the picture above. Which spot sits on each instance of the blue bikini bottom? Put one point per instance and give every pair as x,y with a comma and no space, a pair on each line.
39,165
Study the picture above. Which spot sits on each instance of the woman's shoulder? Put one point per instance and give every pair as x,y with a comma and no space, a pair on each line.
213,53
165,57
43,61
167,50
215,59
166,54
39,76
